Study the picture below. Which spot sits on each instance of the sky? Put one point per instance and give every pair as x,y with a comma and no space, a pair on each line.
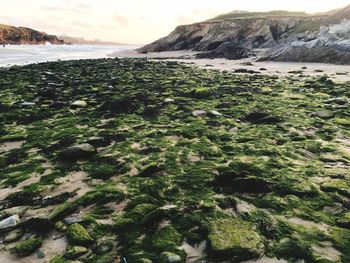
135,21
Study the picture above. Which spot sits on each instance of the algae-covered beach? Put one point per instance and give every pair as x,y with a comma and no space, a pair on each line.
137,161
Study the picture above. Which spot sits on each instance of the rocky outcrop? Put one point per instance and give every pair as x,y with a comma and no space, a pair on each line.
22,35
209,36
330,44
284,36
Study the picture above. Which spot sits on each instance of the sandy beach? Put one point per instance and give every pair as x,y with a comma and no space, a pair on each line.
340,73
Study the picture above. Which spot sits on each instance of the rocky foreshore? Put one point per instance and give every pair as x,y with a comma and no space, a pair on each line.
130,160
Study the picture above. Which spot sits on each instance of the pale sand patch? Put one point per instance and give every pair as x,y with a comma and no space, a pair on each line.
70,183
273,68
8,146
266,260
133,171
307,224
243,207
327,251
194,158
136,146
117,207
34,178
51,247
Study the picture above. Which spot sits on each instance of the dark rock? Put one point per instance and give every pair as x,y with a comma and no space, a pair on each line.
226,50
124,105
259,117
81,151
150,170
71,220
244,70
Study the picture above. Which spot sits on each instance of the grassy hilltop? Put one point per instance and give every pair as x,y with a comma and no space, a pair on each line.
160,161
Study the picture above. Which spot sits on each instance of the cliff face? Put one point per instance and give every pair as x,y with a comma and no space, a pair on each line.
22,35
207,36
284,36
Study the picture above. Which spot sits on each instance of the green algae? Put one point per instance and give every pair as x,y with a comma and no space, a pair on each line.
59,259
28,246
78,235
234,238
158,176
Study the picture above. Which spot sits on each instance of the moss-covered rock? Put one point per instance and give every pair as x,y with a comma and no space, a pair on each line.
150,169
59,259
166,239
343,121
139,212
235,238
78,235
75,252
202,93
344,221
143,260
28,246
334,185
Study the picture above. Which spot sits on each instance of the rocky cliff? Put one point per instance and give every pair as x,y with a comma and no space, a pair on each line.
22,35
284,36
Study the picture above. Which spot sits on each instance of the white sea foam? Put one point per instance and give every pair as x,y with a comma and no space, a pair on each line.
26,54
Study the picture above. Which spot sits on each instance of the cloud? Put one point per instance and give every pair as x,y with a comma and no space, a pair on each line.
108,27
81,24
121,20
76,10
83,6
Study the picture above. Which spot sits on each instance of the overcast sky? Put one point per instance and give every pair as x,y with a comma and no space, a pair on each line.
135,21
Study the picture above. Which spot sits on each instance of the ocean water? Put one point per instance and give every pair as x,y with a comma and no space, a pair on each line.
27,54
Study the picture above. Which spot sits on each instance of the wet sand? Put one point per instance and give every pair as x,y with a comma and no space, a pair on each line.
338,73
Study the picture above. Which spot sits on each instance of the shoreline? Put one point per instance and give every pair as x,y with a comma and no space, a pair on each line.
339,73
303,70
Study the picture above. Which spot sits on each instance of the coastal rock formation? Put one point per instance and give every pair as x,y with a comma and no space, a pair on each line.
22,35
213,35
283,36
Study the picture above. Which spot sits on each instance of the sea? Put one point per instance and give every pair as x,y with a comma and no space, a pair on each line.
27,54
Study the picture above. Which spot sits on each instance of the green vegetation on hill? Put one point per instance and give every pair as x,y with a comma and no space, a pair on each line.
243,15
165,161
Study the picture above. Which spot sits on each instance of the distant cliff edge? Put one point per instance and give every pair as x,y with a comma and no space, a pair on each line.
284,36
22,35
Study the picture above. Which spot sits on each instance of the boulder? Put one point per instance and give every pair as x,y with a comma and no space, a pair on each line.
75,252
199,113
235,239
169,257
76,152
78,235
79,104
10,222
28,246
